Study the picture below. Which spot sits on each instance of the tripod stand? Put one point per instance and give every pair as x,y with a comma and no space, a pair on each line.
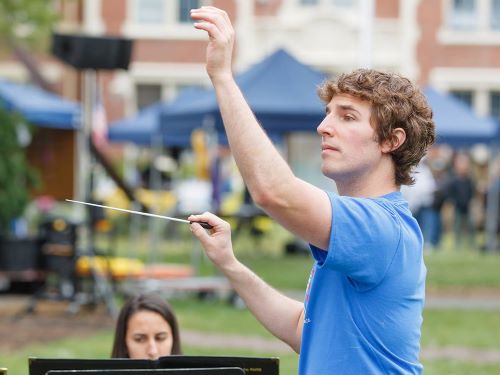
59,258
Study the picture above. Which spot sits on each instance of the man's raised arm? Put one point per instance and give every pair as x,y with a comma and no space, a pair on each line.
300,207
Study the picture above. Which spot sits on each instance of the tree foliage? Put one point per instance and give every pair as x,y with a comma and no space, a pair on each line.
17,178
26,21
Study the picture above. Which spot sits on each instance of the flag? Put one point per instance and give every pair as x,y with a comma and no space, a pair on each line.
99,120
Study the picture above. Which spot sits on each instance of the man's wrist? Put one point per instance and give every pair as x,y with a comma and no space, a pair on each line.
222,79
231,268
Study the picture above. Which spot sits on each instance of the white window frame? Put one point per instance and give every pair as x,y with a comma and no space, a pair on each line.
295,11
481,81
171,28
482,34
328,4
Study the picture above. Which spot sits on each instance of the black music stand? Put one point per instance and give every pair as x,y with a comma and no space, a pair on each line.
161,366
186,371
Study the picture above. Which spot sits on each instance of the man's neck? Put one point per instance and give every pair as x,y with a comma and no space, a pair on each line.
373,185
365,192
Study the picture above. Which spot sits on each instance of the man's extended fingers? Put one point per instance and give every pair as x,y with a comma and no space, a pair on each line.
211,10
214,16
210,28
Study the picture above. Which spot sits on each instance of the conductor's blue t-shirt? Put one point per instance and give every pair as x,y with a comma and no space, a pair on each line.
364,300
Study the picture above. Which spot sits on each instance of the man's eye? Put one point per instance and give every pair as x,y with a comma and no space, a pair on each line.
349,118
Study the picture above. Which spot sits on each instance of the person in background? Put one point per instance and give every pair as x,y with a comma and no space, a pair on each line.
420,197
146,329
442,178
461,191
362,312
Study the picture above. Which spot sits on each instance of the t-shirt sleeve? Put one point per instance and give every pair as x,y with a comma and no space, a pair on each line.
363,241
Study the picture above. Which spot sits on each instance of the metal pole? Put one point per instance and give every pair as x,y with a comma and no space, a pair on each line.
367,10
83,152
88,88
493,201
155,187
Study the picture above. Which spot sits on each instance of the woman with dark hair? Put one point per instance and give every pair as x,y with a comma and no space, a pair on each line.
146,329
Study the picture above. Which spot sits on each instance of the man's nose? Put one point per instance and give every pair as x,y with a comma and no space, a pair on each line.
326,126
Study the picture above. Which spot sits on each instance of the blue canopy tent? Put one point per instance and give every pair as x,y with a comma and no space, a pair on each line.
144,128
280,90
39,107
456,124
51,149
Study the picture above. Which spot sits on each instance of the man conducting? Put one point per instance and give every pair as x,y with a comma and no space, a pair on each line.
362,312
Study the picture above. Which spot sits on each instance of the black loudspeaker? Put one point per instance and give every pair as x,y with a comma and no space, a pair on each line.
89,52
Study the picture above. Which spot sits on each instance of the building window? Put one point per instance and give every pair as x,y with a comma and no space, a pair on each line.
150,11
184,9
343,3
495,14
161,19
465,96
147,94
495,105
328,3
463,14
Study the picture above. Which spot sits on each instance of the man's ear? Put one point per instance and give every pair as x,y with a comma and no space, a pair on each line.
397,138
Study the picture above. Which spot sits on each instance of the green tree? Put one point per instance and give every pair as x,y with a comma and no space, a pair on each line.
26,22
17,178
25,25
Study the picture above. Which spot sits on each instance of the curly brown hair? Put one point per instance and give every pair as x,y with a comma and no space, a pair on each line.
396,103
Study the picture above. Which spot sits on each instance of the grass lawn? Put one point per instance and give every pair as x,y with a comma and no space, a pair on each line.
475,329
264,255
470,328
469,269
441,328
98,347
459,368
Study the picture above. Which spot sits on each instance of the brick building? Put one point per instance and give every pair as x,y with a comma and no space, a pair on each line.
453,45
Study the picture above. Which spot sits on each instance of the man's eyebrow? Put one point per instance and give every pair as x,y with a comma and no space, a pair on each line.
348,107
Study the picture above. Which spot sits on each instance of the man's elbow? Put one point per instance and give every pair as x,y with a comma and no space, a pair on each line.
296,339
261,197
296,348
269,200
